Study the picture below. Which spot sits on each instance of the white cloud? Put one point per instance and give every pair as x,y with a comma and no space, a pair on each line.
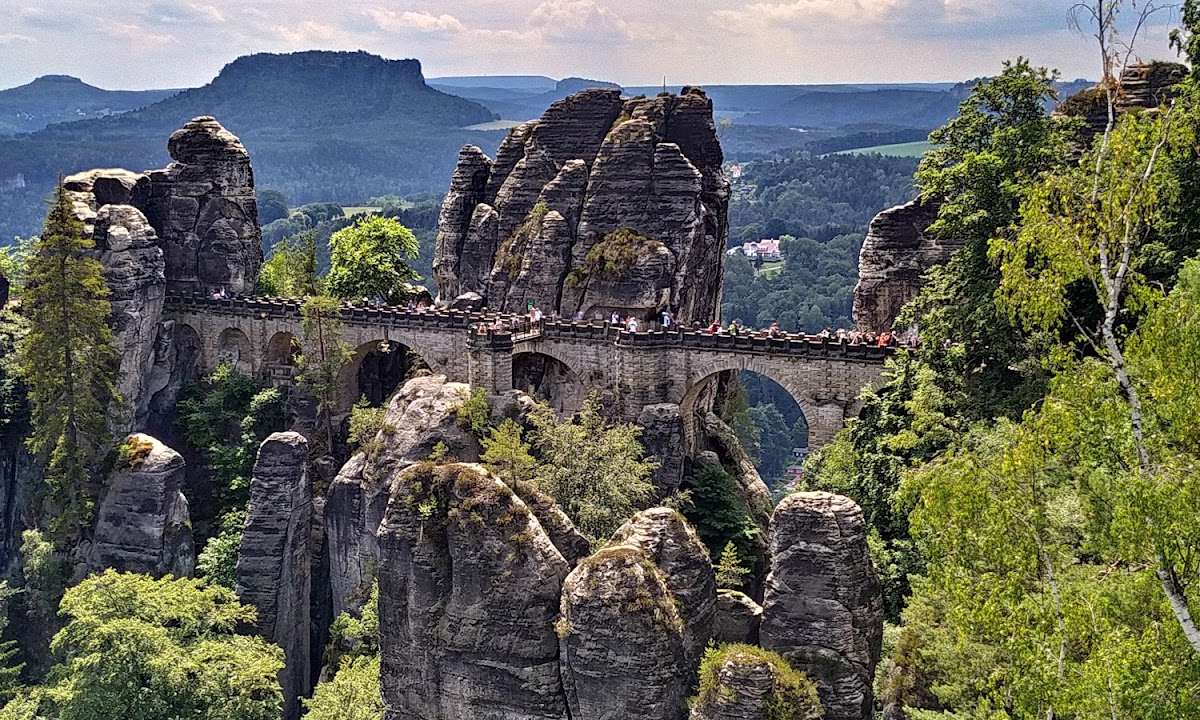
306,34
15,39
578,21
408,20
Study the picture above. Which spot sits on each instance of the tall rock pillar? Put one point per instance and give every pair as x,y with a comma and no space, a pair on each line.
273,570
822,607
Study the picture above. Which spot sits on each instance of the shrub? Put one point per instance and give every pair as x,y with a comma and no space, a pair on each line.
794,696
365,423
474,413
614,256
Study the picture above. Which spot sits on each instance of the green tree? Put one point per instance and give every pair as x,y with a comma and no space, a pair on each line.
225,417
145,649
68,361
731,573
370,260
10,667
365,424
594,470
291,269
1076,266
352,694
506,454
217,562
325,354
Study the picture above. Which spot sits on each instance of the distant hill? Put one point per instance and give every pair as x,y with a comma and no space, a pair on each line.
524,83
319,126
512,101
62,98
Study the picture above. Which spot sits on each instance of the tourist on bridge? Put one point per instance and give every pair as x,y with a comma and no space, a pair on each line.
631,324
774,331
713,328
667,320
735,328
615,319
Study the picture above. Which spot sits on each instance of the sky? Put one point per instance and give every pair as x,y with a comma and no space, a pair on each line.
125,44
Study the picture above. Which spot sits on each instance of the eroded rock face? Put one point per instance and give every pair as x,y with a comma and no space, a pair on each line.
897,251
420,415
737,619
204,210
673,545
663,438
746,685
273,569
514,230
142,524
134,271
822,608
469,590
622,640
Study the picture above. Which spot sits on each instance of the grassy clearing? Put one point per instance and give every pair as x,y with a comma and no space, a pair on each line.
908,149
359,209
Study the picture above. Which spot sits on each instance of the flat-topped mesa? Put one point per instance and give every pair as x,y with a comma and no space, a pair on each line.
604,204
895,255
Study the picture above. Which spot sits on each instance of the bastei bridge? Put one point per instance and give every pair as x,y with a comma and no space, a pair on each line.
261,336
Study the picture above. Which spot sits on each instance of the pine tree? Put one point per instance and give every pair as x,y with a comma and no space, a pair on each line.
731,573
506,454
68,360
10,668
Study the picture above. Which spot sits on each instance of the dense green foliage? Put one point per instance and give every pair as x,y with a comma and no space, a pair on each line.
793,696
507,455
1029,474
352,694
713,506
291,268
10,665
144,649
68,362
224,418
369,260
593,469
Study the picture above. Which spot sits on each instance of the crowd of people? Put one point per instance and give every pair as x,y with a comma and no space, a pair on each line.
666,322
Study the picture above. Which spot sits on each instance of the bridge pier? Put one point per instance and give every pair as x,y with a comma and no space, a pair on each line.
490,363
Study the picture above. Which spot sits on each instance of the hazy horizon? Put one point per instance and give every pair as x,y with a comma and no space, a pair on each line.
185,43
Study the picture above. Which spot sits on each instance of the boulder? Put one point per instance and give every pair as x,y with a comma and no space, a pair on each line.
737,619
895,255
747,683
274,563
822,607
592,165
419,416
469,588
673,545
622,640
142,524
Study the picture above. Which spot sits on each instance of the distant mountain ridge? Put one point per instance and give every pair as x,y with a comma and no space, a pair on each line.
62,98
318,125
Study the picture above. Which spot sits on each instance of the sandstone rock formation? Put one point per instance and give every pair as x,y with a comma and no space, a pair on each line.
135,274
469,589
663,438
602,204
622,640
273,568
737,619
822,608
749,684
201,207
895,255
142,524
673,545
420,415
191,226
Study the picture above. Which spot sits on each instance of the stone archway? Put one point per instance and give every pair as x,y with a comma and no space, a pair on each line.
375,370
548,378
823,417
234,348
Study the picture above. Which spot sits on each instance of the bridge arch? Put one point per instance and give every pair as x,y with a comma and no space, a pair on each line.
234,348
547,375
375,370
825,416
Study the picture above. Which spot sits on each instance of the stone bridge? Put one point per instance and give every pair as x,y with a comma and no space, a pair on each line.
630,370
